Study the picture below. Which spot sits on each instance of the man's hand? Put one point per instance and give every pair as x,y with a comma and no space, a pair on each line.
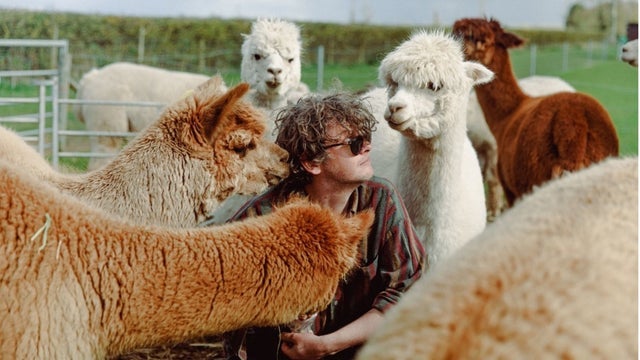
306,346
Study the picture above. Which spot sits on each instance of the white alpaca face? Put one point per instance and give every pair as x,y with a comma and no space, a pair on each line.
415,110
269,69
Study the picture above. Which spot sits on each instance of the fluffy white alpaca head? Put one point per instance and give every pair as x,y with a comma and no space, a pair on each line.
427,82
271,57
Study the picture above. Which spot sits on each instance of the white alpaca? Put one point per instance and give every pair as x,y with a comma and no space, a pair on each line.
127,82
485,144
439,176
386,143
202,149
271,65
554,277
78,283
630,53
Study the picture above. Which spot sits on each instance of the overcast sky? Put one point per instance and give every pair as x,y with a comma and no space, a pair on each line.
511,13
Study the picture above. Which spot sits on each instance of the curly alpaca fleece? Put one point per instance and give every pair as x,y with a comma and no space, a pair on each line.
76,282
554,277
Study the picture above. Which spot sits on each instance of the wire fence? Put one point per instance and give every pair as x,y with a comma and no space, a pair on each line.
52,66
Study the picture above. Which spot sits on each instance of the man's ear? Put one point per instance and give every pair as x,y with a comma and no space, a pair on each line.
312,167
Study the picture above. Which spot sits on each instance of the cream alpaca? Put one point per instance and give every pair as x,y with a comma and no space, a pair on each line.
271,64
439,177
203,148
89,285
554,277
127,82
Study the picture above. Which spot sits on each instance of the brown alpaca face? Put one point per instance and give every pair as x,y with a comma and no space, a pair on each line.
229,133
247,163
479,40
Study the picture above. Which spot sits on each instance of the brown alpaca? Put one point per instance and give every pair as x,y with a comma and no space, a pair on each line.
79,283
203,148
538,138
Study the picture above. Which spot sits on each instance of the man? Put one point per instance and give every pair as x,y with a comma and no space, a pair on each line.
328,139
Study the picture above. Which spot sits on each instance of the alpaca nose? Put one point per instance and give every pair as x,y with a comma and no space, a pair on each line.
395,107
274,71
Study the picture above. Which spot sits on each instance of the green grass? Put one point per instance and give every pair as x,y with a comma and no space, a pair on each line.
615,85
610,81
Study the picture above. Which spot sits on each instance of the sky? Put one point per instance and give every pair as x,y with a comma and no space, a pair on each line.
511,13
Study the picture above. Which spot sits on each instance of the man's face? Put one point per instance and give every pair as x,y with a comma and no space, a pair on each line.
341,164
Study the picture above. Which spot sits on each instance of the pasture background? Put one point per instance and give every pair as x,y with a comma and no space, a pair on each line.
587,61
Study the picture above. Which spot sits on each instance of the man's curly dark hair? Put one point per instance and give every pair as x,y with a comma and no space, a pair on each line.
302,128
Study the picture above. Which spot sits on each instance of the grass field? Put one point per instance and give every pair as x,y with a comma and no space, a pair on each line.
613,83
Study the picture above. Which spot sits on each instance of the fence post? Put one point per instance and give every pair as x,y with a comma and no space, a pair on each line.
42,115
55,129
141,36
201,56
320,67
565,56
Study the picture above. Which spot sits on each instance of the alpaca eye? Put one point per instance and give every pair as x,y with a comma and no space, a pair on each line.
291,60
242,151
391,83
433,86
257,57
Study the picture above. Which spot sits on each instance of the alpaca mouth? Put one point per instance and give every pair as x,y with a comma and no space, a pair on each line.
273,84
395,122
273,179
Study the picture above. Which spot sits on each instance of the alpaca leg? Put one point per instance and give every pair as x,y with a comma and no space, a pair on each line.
495,199
495,195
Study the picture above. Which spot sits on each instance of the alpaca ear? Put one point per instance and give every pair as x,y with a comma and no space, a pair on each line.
478,73
509,40
214,85
218,113
357,226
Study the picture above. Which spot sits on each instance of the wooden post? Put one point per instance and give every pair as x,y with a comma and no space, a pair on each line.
141,36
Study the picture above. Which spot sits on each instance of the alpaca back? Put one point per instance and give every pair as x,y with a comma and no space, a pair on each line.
553,277
128,82
14,149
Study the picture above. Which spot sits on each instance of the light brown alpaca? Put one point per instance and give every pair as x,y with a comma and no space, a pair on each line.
539,138
203,148
78,283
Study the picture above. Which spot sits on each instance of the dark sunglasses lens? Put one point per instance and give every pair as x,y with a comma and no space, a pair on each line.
356,145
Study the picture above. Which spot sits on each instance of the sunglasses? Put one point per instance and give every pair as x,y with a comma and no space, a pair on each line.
355,144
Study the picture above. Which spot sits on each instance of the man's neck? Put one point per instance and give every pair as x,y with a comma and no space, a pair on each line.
330,196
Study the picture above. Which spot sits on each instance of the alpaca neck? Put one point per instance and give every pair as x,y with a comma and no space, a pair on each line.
500,97
130,188
435,167
271,101
169,290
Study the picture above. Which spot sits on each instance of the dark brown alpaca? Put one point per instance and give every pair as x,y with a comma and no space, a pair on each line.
539,138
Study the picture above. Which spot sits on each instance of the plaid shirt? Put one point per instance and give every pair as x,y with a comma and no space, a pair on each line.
391,261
